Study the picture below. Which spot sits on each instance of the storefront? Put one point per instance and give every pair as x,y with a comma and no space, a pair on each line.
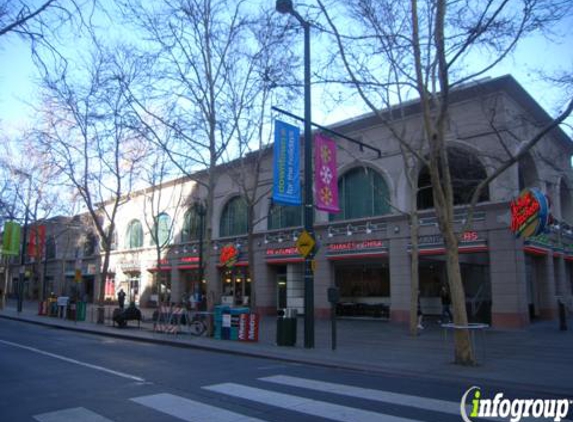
234,276
161,284
192,283
130,283
286,272
475,272
362,275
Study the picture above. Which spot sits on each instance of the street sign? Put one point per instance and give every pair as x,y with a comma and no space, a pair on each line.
305,243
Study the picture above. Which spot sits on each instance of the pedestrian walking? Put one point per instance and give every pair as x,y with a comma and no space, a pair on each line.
446,302
121,298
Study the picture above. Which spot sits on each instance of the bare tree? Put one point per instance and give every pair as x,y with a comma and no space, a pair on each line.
43,25
202,85
421,49
86,131
162,205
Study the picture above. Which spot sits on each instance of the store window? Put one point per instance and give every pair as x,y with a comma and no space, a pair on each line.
466,172
236,286
234,218
90,245
134,236
284,216
362,192
191,226
161,233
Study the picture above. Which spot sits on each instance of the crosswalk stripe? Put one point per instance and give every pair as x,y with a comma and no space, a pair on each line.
367,393
190,410
71,415
303,405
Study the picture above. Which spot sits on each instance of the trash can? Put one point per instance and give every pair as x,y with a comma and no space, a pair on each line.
286,327
81,311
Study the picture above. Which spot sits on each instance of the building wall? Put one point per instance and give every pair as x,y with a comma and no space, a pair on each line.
470,129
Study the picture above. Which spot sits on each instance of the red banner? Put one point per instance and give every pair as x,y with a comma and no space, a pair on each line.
325,174
37,241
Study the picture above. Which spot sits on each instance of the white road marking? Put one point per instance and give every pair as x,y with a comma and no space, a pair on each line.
304,405
74,361
367,393
71,415
190,410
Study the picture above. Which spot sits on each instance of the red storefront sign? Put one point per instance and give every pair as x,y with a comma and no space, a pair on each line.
229,255
529,213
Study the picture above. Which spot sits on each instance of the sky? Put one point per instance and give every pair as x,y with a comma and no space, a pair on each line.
17,72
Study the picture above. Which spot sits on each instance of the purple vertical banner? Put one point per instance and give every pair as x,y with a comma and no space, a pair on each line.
325,175
286,164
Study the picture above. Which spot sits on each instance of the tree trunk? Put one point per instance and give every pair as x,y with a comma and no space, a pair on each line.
464,354
414,276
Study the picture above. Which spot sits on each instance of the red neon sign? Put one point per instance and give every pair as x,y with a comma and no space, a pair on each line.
525,213
228,255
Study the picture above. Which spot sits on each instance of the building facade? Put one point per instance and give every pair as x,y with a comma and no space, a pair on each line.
365,249
65,262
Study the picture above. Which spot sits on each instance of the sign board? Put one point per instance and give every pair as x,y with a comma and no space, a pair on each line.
229,255
305,243
529,213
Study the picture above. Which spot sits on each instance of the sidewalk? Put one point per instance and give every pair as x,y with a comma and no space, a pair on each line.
539,358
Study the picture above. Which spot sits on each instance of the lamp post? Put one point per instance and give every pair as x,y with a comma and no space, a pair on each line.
22,270
201,211
286,6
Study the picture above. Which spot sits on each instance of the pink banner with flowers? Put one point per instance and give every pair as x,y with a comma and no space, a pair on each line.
325,179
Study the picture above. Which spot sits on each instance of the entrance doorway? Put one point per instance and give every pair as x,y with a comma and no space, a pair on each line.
236,286
282,289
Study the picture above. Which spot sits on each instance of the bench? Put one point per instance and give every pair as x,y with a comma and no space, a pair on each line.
122,316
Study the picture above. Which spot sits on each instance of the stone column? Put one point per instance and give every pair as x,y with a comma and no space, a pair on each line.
323,279
508,280
400,274
546,286
562,287
177,289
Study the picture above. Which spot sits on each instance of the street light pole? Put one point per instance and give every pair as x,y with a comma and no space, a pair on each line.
200,209
286,6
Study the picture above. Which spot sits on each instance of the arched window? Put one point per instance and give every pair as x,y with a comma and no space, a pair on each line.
362,192
283,216
466,172
161,233
134,235
113,240
234,218
527,172
90,244
192,225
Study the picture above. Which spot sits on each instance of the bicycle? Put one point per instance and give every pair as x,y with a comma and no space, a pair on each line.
196,323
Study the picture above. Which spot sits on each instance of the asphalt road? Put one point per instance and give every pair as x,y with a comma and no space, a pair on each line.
52,375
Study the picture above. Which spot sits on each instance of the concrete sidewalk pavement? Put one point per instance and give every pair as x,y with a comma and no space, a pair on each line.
539,358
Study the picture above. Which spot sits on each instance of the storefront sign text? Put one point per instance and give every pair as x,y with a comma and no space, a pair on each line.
437,239
281,251
353,246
